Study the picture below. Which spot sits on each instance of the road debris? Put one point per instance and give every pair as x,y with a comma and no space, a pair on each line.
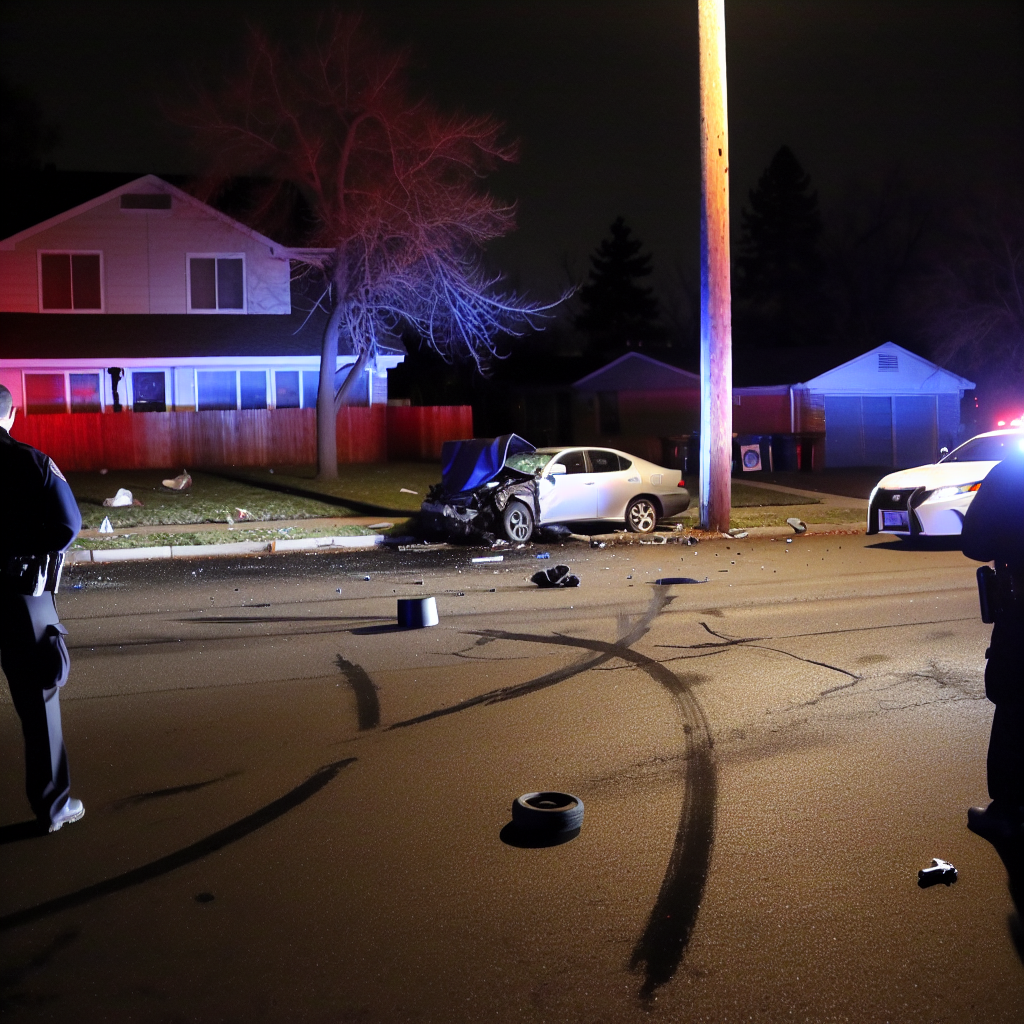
798,524
182,482
417,612
738,534
669,581
543,554
405,490
556,576
489,558
940,872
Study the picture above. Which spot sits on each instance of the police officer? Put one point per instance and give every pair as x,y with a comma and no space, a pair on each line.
994,532
39,519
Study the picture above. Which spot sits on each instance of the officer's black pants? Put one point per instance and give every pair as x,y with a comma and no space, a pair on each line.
1004,686
35,660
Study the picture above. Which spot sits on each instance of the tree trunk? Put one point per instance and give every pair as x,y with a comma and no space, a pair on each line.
326,410
715,303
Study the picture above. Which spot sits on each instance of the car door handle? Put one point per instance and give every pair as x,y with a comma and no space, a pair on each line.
590,483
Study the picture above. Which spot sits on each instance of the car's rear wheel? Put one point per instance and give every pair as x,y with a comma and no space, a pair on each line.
518,522
641,515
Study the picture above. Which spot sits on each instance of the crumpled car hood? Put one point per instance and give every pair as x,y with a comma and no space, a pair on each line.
468,464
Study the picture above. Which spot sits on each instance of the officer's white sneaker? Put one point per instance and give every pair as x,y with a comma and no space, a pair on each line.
71,811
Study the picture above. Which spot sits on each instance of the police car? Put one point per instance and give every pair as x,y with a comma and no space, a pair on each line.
930,501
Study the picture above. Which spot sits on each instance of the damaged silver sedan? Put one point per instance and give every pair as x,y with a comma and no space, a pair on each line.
506,487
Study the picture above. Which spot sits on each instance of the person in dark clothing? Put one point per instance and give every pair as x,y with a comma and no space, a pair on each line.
994,532
39,519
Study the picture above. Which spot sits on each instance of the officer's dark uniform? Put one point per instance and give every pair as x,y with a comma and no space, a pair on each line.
38,516
994,532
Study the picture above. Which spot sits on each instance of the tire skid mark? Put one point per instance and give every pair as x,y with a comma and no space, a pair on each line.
186,855
660,949
754,641
658,601
367,702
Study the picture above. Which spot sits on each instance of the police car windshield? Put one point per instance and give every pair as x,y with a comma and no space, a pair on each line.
985,449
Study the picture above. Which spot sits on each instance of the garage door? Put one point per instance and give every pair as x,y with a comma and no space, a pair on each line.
858,431
915,430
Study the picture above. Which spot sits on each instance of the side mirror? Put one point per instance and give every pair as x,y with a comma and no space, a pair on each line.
558,469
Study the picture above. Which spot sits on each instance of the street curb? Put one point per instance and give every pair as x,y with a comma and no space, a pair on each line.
657,539
245,547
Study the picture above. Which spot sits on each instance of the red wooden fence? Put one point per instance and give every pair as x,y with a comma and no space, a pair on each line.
250,437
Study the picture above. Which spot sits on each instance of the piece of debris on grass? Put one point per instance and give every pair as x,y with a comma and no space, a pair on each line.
556,576
182,482
244,513
941,872
405,490
380,526
798,524
119,500
105,526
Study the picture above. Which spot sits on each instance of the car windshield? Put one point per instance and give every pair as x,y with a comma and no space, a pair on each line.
528,462
985,449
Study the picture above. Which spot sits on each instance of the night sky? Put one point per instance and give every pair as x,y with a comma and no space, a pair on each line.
602,96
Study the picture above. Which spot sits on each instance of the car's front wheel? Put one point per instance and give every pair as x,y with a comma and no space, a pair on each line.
518,522
641,515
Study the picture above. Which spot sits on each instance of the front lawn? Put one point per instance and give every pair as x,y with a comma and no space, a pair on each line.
211,499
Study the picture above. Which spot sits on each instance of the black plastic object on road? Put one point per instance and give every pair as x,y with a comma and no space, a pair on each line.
417,612
556,576
940,872
668,581
547,812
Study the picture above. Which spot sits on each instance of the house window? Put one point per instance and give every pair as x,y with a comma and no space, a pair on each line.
253,389
85,392
70,282
44,393
149,391
287,385
216,389
310,386
216,284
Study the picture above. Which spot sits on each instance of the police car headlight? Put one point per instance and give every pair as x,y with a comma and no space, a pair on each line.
944,493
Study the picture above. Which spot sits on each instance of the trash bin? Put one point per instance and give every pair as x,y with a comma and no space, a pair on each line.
752,453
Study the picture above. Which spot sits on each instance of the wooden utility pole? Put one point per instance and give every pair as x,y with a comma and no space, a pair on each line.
715,300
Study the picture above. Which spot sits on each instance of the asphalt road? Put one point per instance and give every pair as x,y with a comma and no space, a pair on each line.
297,812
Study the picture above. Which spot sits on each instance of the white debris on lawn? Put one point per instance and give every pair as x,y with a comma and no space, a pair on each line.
105,526
123,497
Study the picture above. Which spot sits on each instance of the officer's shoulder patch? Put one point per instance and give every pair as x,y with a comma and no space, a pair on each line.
57,472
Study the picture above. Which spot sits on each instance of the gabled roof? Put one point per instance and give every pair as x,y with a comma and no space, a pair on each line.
888,369
149,182
637,372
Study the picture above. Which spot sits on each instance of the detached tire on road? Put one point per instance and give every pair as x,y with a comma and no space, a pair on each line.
518,522
641,515
547,812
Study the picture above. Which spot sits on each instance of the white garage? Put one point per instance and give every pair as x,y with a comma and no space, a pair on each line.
888,407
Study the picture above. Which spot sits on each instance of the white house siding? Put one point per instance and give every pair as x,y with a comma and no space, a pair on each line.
144,258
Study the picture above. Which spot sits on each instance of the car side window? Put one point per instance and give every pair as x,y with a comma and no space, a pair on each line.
574,462
624,463
602,461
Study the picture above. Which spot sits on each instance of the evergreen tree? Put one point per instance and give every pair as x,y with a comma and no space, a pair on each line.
778,292
618,312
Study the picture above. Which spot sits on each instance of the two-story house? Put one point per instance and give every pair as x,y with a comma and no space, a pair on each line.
148,299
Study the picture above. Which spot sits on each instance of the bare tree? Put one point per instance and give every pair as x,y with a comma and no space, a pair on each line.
975,292
393,184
